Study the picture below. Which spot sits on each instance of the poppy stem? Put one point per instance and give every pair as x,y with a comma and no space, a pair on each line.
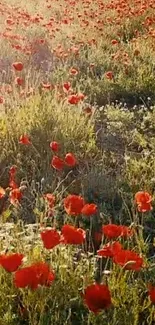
77,222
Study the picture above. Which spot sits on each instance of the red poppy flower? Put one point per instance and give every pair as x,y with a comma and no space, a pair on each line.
24,139
128,259
2,192
11,262
109,75
125,231
34,275
144,207
66,86
43,273
9,21
18,66
13,170
50,198
57,163
143,197
54,146
70,159
97,297
151,293
74,71
15,196
114,42
89,209
50,238
72,235
73,204
2,100
73,99
110,249
19,81
12,183
25,277
143,200
113,231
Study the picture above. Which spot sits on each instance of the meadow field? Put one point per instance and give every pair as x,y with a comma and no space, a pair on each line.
77,162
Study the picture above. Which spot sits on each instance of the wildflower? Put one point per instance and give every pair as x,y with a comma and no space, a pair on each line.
151,293
50,198
70,159
12,183
109,75
145,207
24,139
18,66
9,21
54,145
110,249
50,238
143,197
11,262
89,209
13,170
15,196
73,99
143,200
129,260
72,235
125,231
31,276
97,297
57,163
12,173
114,42
73,204
113,231
66,86
2,100
26,277
74,71
19,81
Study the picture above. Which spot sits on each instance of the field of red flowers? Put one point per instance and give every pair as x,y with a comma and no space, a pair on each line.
77,162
